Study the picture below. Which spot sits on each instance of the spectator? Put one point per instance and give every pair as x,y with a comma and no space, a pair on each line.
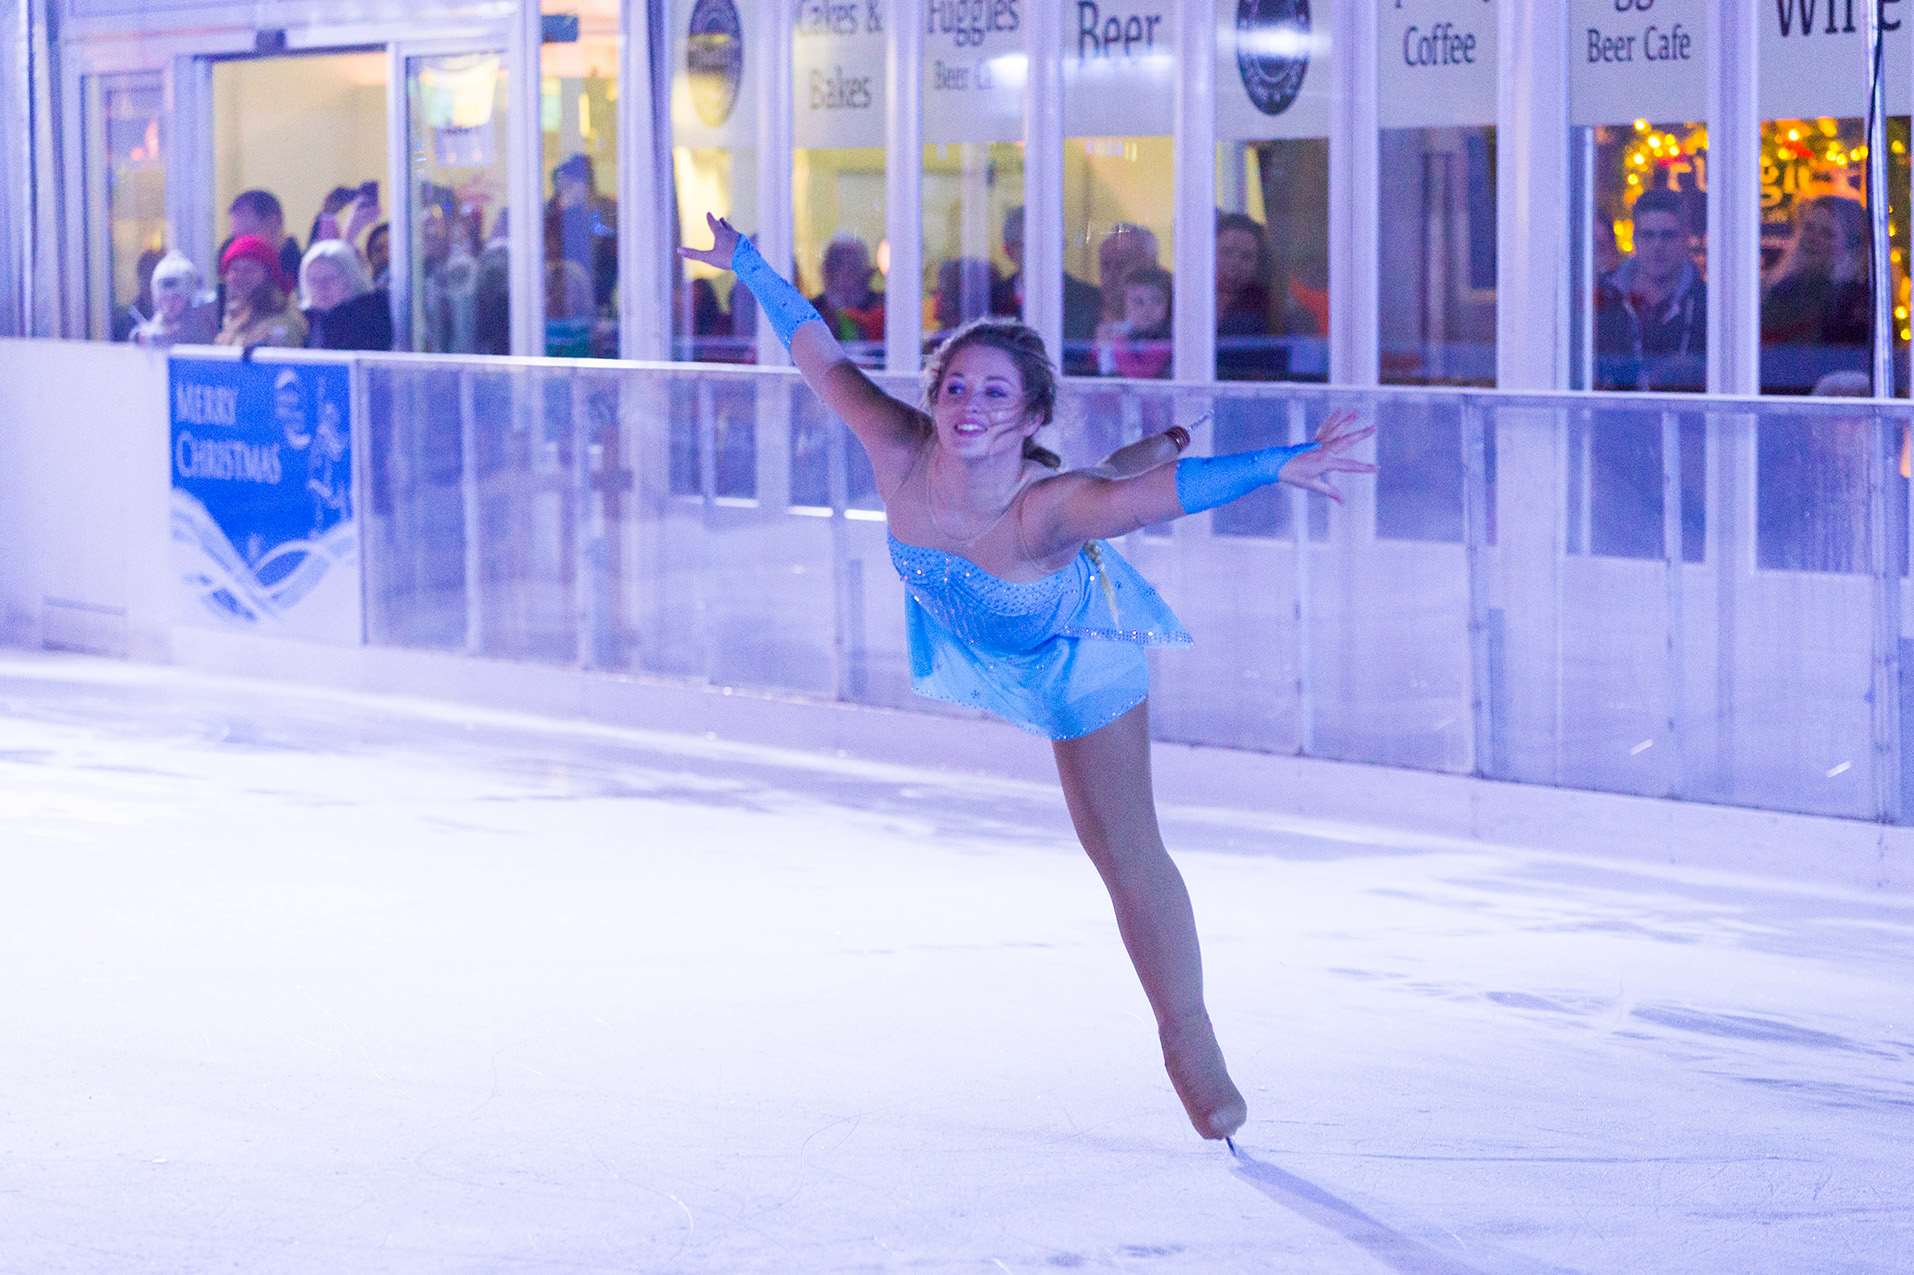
379,255
1816,316
490,301
1126,248
257,213
183,314
965,287
1651,324
1255,313
1138,345
582,226
849,305
1081,300
343,310
447,277
257,309
136,312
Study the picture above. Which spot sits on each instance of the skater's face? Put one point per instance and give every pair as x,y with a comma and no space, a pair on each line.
979,408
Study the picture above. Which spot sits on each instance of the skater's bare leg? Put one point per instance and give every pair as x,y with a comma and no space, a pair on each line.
1106,783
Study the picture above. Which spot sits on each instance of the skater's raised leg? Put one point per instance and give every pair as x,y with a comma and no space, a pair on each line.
1106,782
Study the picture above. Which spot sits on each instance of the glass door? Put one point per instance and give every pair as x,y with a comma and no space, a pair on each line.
457,268
125,199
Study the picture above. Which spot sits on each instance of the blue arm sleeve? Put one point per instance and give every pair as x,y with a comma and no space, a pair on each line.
783,304
1204,482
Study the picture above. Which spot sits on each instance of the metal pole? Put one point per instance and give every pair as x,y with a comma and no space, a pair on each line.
1675,652
1887,532
1303,613
1877,205
1475,540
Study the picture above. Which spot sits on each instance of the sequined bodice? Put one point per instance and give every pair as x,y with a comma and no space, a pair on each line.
985,609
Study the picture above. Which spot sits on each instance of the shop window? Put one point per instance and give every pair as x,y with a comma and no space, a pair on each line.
1438,256
578,124
460,248
1119,202
1818,289
714,162
1274,90
1817,293
1437,66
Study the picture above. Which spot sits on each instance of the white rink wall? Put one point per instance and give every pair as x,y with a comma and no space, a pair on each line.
83,499
475,594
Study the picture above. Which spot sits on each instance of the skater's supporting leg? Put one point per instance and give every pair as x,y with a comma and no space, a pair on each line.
1106,783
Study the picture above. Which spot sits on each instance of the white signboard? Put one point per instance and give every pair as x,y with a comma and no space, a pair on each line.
1119,68
1638,59
1814,57
1273,69
837,73
1437,63
716,61
975,70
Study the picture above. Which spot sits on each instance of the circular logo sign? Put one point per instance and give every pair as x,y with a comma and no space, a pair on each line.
714,59
1272,51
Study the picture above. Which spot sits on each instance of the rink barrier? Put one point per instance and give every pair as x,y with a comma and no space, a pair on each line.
1669,596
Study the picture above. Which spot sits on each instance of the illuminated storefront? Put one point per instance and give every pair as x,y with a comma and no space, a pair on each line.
1417,192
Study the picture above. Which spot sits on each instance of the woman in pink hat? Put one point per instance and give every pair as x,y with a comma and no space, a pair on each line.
258,311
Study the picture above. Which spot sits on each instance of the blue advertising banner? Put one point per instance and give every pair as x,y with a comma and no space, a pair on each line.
265,537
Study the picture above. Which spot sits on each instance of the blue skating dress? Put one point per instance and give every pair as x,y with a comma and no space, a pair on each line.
1059,657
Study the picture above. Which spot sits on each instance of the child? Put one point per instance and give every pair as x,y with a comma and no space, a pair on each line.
1139,344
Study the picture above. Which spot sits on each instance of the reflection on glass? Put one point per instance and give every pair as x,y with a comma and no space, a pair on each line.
1645,256
838,241
1817,326
973,234
1118,218
1812,491
579,126
130,112
1272,260
461,258
1437,266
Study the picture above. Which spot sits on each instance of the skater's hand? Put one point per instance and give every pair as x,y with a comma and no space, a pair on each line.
724,241
1335,436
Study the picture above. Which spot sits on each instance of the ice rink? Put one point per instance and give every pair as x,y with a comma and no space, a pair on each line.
301,982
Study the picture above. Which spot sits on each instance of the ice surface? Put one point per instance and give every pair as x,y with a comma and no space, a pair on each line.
292,982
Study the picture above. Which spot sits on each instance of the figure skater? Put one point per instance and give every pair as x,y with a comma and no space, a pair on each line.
1017,606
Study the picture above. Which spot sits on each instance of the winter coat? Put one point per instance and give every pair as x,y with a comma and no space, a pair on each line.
363,322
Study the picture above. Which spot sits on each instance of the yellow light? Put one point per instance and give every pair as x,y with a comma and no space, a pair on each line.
1634,180
1859,152
1794,134
1900,312
1641,126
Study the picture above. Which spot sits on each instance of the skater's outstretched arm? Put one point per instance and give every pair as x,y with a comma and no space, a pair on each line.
1072,508
891,430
